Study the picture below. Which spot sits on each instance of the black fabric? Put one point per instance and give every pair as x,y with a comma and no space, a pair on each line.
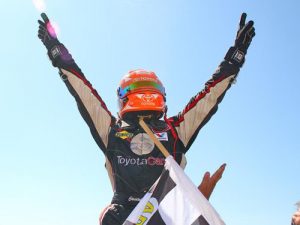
116,215
148,115
156,219
134,174
49,40
235,56
162,190
60,56
246,32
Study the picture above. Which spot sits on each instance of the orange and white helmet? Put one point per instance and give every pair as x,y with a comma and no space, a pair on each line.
141,91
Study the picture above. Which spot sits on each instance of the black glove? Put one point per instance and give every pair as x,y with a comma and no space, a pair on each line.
245,33
57,52
47,33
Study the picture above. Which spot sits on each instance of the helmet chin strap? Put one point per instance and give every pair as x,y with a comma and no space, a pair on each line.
143,117
134,116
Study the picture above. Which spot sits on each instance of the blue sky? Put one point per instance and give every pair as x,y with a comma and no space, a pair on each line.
51,170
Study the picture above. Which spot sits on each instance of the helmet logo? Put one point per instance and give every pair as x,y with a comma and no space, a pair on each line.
148,99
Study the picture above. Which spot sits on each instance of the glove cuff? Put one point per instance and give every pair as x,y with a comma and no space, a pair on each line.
235,56
55,51
59,55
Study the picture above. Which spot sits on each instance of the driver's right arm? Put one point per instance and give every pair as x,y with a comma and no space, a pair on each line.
90,104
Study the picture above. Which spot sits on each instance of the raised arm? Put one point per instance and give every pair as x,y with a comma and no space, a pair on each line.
204,105
90,104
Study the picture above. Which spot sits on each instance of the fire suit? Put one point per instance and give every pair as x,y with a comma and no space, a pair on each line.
133,162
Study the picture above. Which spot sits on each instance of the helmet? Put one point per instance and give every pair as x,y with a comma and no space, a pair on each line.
141,92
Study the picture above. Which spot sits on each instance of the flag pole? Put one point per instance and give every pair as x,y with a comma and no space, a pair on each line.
162,148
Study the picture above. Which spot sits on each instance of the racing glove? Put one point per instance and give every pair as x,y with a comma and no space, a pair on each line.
236,54
57,52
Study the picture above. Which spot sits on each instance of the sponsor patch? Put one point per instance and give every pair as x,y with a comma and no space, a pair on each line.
124,134
150,161
162,136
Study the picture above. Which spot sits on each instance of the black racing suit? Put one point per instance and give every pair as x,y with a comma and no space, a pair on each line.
133,161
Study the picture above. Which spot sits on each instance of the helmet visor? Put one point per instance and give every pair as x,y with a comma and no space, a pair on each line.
139,86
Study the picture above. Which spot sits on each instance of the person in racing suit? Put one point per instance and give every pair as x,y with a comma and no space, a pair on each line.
133,162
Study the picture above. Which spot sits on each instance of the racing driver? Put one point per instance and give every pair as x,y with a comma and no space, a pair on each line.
133,162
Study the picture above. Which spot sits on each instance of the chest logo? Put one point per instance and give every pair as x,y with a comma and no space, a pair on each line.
124,134
141,144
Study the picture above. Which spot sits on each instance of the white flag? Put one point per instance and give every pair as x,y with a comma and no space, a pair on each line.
173,200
